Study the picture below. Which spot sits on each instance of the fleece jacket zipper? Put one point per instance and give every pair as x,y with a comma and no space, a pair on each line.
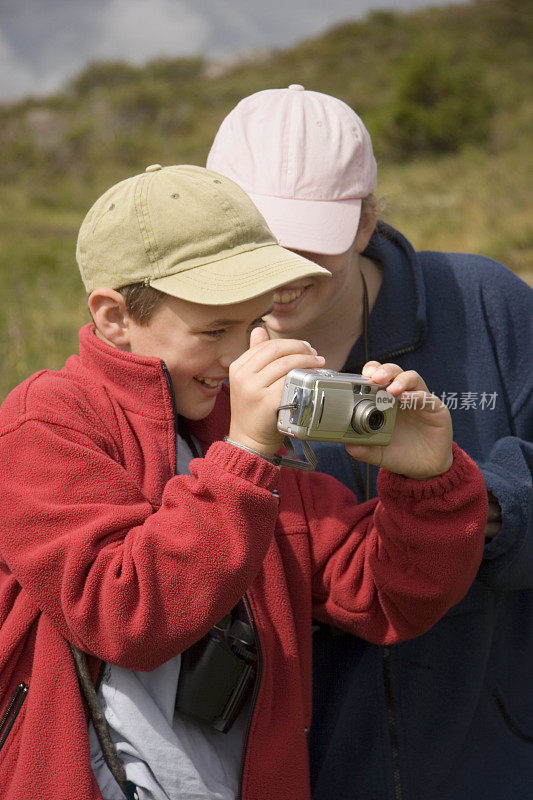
257,684
245,602
392,725
12,711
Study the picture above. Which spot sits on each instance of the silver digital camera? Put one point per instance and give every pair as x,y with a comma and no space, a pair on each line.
327,406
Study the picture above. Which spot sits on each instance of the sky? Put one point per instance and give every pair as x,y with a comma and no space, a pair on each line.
44,43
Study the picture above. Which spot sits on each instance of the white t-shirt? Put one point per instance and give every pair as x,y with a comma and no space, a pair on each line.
166,756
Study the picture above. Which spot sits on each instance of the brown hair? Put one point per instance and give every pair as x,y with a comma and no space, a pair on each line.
370,203
141,301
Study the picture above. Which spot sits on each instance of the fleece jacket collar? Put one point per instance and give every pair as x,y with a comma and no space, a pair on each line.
139,384
395,326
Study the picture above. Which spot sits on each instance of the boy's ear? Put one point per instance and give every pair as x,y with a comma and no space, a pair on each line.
110,316
367,224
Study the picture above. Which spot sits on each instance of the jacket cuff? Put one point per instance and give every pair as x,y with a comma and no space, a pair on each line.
461,469
247,466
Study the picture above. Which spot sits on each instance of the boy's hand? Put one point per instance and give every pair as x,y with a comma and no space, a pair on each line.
256,386
421,443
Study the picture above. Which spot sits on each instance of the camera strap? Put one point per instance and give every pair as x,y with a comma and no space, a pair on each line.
283,461
365,342
109,752
297,463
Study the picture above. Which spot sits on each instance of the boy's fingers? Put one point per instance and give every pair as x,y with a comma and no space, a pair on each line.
257,341
370,454
409,381
279,368
258,335
420,401
369,368
396,380
265,352
381,373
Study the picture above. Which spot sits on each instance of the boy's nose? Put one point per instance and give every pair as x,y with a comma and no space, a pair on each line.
228,358
225,361
234,350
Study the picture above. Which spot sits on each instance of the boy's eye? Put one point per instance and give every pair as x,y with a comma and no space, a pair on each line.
215,334
219,332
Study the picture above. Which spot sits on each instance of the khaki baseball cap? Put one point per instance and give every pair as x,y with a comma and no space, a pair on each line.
188,232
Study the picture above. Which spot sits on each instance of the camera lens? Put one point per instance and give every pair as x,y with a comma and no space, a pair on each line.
366,418
376,420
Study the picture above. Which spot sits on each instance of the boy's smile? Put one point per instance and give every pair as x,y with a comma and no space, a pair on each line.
197,344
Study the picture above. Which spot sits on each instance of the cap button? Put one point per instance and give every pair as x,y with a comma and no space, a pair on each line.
295,87
153,168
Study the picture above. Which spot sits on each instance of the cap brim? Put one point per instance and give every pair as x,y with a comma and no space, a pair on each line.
314,226
240,277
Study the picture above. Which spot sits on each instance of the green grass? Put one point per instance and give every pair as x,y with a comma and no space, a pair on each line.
59,153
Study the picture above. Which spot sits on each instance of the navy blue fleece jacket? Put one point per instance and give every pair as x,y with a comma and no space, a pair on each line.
449,715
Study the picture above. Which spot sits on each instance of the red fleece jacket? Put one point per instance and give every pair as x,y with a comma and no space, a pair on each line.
103,546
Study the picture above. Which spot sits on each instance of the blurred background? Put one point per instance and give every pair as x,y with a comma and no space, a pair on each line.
91,93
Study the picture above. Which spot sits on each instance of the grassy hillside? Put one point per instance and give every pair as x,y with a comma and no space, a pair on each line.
471,65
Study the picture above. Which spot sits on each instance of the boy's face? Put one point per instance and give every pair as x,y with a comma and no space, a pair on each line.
302,304
198,343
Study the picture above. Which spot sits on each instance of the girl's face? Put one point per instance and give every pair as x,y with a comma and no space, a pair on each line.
304,303
197,343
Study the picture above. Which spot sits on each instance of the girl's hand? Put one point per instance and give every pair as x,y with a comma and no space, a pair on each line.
421,443
256,386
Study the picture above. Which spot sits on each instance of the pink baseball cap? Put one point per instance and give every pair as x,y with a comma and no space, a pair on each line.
306,161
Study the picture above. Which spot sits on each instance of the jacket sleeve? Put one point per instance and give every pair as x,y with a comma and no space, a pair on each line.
508,558
508,309
412,553
129,583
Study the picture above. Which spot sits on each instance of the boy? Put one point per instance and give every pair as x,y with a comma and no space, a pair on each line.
105,548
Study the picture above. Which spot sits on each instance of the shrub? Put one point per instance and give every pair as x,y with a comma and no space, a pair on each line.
103,74
440,105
